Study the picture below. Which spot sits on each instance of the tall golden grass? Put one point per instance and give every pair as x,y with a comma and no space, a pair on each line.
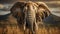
16,29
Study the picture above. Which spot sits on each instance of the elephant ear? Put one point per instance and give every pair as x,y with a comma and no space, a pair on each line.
17,5
43,11
17,11
17,8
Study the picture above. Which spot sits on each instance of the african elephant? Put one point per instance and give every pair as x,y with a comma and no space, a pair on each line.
29,13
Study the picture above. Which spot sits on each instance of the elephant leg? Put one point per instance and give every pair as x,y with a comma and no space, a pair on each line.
35,26
24,28
32,27
24,25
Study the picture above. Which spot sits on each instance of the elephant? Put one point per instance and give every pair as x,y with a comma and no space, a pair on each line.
29,13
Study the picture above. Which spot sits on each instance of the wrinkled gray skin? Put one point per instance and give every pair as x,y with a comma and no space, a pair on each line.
30,16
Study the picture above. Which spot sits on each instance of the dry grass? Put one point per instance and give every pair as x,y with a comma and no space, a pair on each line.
49,30
10,29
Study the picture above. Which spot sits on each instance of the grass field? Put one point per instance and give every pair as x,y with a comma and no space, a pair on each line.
16,29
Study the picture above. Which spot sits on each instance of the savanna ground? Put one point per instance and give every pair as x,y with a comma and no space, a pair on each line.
16,29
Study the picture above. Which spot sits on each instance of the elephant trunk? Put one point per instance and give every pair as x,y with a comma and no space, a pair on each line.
30,17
